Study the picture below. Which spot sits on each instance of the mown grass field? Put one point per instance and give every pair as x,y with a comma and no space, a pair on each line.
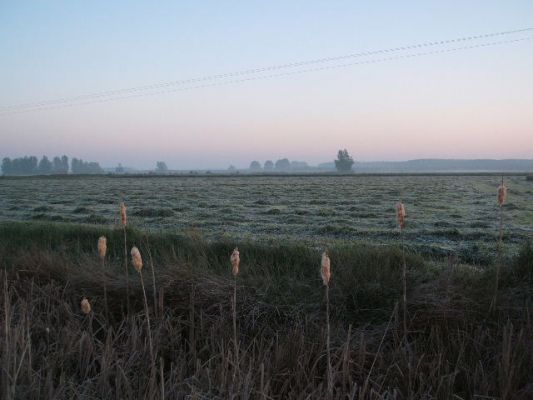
446,214
462,339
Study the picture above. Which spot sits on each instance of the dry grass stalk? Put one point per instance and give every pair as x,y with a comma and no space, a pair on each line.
124,221
102,251
502,198
401,215
85,306
401,218
136,259
137,262
102,247
235,261
325,273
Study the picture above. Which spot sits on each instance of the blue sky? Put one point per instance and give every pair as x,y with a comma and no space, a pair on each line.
474,103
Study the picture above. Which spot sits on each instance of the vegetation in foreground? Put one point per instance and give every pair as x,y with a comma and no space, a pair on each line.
454,347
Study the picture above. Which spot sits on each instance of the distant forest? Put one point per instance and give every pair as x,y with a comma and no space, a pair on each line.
31,165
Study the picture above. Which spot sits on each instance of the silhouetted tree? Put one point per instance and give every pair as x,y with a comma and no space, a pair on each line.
64,164
161,167
45,166
255,166
283,164
119,169
269,165
344,161
83,167
6,166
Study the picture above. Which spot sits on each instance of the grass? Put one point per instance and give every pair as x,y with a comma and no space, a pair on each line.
287,207
455,349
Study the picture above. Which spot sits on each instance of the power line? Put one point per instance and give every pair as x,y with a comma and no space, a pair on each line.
142,91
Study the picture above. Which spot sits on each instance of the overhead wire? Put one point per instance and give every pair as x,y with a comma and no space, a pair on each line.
148,90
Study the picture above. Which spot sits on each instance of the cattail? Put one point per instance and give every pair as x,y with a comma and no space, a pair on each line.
400,214
85,306
325,270
102,247
136,259
235,261
502,194
123,214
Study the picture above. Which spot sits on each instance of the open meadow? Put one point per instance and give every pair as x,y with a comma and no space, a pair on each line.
447,214
81,318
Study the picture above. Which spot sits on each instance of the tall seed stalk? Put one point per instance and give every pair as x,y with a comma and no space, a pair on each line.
124,221
401,218
137,262
502,198
325,272
235,262
102,250
153,275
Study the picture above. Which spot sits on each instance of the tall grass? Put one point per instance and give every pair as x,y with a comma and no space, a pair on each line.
456,351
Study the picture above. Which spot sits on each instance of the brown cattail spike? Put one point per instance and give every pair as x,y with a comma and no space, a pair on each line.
85,306
235,261
136,259
123,214
325,268
502,194
102,247
400,214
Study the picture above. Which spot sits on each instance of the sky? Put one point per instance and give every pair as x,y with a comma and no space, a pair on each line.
475,103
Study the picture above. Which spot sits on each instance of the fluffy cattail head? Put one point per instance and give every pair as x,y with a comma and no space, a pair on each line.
400,214
136,259
85,306
235,261
102,247
123,214
502,194
325,268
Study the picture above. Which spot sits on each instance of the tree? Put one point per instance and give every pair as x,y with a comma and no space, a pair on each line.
7,166
269,166
119,169
255,166
161,167
45,166
344,161
283,164
64,165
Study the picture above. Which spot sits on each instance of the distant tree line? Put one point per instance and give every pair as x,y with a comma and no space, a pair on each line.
30,165
282,165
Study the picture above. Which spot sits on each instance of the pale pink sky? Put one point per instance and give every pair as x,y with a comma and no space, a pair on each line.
466,104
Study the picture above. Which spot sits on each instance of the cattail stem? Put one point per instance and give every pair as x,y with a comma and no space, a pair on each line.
404,279
126,271
147,312
105,294
502,196
328,347
235,343
153,275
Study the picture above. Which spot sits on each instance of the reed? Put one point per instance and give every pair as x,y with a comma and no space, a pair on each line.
401,218
501,199
137,263
235,260
325,273
85,306
124,222
102,251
